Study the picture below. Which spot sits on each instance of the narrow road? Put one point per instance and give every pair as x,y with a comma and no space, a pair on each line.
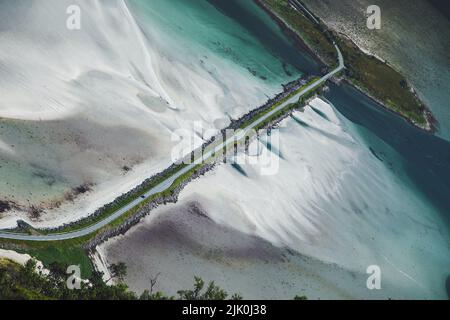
298,6
169,181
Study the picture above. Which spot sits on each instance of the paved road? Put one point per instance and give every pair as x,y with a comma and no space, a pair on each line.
300,6
169,181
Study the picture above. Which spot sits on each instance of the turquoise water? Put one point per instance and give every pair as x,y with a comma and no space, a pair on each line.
237,31
243,35
425,157
421,161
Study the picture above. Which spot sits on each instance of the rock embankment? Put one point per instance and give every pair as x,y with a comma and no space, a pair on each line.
107,207
163,199
288,89
147,208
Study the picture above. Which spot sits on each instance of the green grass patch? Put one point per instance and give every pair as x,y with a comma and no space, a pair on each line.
310,33
84,223
65,253
381,81
169,192
278,103
287,108
373,76
71,252
68,252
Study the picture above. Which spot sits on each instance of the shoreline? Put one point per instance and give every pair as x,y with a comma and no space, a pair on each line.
25,226
93,247
22,259
135,218
431,122
286,28
431,125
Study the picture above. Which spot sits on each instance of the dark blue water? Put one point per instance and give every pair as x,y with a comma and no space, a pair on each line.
253,18
426,158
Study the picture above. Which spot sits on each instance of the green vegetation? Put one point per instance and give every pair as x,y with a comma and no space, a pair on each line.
118,271
309,94
212,292
84,223
167,193
278,103
368,73
64,253
381,81
313,36
23,283
72,252
125,201
19,282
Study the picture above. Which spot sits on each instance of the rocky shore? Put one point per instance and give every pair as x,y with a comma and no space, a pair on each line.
431,124
323,61
130,222
288,89
173,198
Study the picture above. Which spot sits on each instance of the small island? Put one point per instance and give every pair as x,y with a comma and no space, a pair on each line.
368,73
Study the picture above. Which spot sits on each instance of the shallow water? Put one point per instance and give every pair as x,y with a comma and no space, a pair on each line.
341,196
70,99
357,185
238,31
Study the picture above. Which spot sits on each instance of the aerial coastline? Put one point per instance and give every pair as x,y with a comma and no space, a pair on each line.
359,178
365,71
